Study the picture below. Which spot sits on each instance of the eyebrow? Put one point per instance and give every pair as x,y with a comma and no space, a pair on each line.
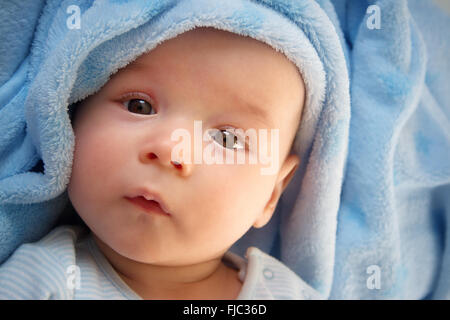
253,110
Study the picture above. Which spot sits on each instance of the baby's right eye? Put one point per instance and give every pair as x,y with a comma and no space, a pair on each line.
138,106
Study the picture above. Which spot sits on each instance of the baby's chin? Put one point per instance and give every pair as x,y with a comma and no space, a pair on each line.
137,250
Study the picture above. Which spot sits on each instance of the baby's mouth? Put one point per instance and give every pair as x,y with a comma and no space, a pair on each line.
150,206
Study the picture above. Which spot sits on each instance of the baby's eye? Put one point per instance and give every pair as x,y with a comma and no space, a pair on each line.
138,106
227,139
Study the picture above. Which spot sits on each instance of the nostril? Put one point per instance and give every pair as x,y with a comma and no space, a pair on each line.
152,156
176,164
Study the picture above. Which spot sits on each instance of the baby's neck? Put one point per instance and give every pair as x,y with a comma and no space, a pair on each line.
208,280
223,284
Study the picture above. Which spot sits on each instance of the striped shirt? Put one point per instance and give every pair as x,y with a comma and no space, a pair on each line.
67,264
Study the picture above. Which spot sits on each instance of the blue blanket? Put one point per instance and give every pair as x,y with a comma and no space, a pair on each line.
367,214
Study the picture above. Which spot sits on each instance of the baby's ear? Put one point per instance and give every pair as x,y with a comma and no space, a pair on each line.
285,175
288,170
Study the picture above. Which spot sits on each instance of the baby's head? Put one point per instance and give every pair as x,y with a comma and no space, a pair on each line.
124,146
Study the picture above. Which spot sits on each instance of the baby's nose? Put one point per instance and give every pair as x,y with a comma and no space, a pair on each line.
183,168
162,149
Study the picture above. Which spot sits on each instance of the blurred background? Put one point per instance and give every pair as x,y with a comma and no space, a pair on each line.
445,4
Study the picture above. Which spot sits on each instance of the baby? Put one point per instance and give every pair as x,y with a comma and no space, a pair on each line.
177,246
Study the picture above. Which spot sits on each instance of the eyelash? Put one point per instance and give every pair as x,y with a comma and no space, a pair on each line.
136,95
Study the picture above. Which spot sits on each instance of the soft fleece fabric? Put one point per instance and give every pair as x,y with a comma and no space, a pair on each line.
372,189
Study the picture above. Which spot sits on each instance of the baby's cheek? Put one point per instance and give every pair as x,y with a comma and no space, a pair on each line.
99,150
93,165
247,194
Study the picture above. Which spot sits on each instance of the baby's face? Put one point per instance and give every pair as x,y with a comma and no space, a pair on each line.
123,144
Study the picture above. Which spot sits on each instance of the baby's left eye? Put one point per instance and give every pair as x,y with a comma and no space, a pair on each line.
138,106
228,139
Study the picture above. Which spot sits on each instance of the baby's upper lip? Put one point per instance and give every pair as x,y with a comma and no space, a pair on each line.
150,195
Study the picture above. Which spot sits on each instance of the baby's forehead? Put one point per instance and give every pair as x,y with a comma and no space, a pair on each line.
209,41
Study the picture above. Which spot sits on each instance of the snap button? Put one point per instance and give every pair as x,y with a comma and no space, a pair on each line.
268,274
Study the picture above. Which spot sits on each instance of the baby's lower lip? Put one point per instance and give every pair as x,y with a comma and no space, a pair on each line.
148,206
